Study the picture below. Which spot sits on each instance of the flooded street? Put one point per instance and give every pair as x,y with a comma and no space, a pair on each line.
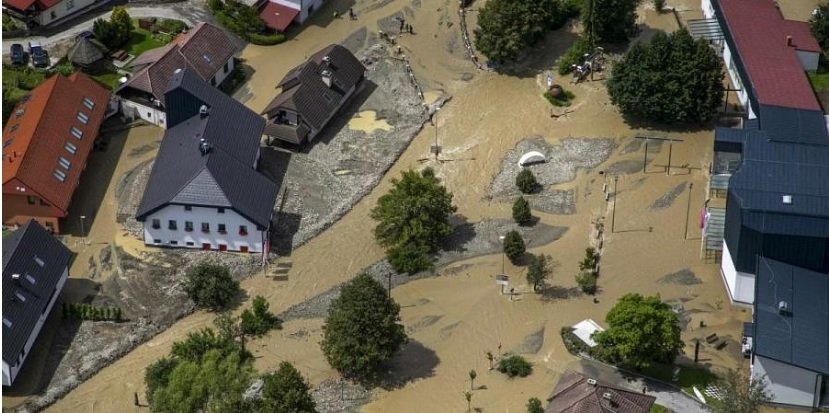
453,319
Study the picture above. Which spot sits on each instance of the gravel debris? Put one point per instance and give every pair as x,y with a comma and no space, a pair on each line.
532,343
669,197
683,277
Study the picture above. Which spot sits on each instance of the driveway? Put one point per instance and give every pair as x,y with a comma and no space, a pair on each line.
190,12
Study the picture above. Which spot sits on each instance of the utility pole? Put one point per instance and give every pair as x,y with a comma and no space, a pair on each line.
503,261
389,286
688,208
435,118
645,161
670,152
615,195
83,232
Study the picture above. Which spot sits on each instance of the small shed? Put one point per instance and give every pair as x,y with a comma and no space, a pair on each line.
85,53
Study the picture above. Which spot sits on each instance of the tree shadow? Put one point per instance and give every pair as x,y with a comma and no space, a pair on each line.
557,292
274,165
462,233
413,362
286,225
542,56
94,180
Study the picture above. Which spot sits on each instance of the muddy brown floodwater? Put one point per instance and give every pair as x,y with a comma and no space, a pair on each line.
453,319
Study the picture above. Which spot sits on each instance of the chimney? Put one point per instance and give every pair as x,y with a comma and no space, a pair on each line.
789,41
787,199
203,111
15,277
326,77
783,308
591,382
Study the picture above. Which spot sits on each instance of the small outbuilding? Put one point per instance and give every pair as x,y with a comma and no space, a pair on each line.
85,53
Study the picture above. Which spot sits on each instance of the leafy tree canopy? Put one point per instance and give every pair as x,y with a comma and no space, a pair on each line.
514,246
413,218
258,320
211,286
820,26
671,79
363,328
285,390
521,211
740,395
540,269
609,20
642,330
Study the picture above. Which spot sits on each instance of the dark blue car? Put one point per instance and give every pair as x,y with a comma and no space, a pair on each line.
18,57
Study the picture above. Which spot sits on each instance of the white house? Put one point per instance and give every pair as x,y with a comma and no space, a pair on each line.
46,12
204,191
279,14
206,51
35,268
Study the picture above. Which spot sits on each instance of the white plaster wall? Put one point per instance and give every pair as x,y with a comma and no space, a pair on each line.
221,75
740,285
787,384
156,116
809,60
12,371
707,9
230,218
309,7
61,10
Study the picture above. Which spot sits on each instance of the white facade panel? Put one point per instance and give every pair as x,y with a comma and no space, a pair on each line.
61,10
809,60
224,71
740,285
787,384
10,372
196,238
133,110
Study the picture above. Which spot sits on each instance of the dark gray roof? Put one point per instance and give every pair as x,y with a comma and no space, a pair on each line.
304,91
35,285
224,177
289,133
794,125
801,337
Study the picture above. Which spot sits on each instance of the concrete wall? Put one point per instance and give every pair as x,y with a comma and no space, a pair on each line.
230,218
739,285
134,110
61,10
222,74
11,371
809,60
787,384
306,8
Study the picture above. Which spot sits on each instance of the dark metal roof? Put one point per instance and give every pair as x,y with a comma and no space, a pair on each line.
800,336
289,133
794,125
23,251
223,177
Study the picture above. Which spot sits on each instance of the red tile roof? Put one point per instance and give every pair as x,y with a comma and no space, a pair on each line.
38,129
774,70
25,4
278,16
576,393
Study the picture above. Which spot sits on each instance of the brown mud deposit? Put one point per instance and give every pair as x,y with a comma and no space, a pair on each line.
460,314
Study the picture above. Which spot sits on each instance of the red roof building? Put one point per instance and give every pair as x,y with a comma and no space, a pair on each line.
46,142
278,16
768,47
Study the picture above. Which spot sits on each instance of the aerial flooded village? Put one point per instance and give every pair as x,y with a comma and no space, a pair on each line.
309,206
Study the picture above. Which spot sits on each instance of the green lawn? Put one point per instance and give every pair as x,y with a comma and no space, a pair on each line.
108,79
688,376
820,81
659,409
142,40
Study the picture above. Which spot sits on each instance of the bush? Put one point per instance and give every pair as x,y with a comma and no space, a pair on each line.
515,365
172,26
563,99
215,5
89,312
514,246
521,211
540,268
506,27
285,390
819,24
571,8
610,20
587,281
534,406
211,286
266,39
260,320
573,56
588,263
572,343
409,258
659,5
526,182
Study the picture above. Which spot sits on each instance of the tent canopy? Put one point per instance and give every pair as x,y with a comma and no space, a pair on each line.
531,157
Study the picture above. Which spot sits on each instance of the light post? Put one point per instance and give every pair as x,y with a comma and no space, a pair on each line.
615,195
503,260
435,119
83,233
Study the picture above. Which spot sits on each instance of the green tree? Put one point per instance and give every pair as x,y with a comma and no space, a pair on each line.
258,320
157,375
515,366
820,26
507,27
121,25
659,5
285,390
526,182
412,219
467,395
539,270
521,211
214,384
362,329
740,394
587,281
211,286
104,32
588,263
642,330
534,406
472,375
609,20
514,246
671,79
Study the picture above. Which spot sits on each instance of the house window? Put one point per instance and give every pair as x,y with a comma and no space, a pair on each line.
82,116
70,147
88,103
243,230
205,227
157,241
188,226
327,98
7,322
173,242
70,4
150,115
188,208
156,223
221,210
226,67
64,163
44,203
213,82
39,261
31,200
76,132
60,175
29,278
52,15
222,229
171,224
190,243
20,297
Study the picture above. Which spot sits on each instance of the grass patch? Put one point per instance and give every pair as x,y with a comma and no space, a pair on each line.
820,81
12,24
142,40
688,376
656,408
564,99
108,79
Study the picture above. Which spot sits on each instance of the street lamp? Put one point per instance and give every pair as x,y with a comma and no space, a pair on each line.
435,119
83,233
503,260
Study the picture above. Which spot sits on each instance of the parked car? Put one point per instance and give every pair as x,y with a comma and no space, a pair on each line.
18,56
40,58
